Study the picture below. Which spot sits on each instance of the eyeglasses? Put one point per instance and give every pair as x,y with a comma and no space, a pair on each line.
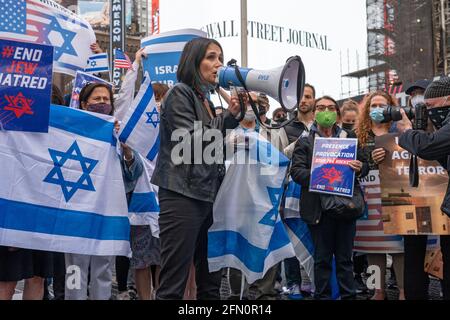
321,107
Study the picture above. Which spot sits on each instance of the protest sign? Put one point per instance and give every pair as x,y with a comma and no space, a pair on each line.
370,236
25,86
405,209
49,23
330,172
164,52
82,79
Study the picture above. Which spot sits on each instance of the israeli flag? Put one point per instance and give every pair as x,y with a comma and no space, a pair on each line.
97,63
144,205
301,237
63,190
292,200
140,125
247,233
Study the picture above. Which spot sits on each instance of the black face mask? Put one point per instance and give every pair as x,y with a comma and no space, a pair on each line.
261,110
281,120
348,126
438,115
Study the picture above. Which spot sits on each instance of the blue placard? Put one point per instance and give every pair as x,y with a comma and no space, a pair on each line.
330,172
81,80
162,67
25,86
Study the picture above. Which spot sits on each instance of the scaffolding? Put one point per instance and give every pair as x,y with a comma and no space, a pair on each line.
400,42
441,30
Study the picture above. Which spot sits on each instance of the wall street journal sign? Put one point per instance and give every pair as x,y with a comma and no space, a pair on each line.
269,32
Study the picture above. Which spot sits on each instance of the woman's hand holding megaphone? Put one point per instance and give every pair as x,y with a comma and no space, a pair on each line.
235,106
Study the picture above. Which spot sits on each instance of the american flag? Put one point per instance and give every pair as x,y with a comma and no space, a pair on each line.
370,236
46,22
121,60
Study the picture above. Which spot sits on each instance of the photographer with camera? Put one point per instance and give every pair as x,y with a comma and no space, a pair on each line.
429,146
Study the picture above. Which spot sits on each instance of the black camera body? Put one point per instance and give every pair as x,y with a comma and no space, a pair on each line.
418,115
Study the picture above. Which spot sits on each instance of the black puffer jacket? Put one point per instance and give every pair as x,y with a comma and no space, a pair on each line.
310,207
431,146
180,109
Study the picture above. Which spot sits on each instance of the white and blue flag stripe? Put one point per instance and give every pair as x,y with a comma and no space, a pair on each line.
63,190
247,232
140,125
144,204
97,63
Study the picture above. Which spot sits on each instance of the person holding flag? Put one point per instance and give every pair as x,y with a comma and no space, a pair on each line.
98,97
187,191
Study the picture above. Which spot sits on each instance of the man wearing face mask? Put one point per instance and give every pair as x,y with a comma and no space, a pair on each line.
263,107
429,146
416,92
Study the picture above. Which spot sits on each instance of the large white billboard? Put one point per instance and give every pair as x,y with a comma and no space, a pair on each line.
330,36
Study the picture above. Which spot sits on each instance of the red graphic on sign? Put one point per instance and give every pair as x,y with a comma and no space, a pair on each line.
19,105
332,175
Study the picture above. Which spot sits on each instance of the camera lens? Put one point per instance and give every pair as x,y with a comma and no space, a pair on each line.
393,113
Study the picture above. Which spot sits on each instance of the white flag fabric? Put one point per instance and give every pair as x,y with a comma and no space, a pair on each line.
47,22
144,205
97,63
63,190
247,233
140,125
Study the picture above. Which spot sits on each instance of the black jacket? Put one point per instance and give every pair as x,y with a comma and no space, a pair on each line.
310,207
431,146
295,129
180,108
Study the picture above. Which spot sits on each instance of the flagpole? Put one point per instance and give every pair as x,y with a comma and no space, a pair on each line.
244,42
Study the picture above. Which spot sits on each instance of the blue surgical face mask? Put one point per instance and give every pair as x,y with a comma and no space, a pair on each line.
376,114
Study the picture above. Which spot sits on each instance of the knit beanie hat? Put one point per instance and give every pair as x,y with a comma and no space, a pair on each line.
438,88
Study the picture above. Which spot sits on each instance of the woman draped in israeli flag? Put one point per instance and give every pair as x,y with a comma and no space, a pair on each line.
98,97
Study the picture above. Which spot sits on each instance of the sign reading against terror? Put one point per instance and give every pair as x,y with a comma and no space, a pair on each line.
405,209
25,86
330,172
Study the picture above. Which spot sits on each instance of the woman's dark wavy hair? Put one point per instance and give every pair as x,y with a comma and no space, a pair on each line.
89,88
189,67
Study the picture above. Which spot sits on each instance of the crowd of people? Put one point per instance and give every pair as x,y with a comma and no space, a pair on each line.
175,266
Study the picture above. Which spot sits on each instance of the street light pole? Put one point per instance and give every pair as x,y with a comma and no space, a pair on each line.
244,42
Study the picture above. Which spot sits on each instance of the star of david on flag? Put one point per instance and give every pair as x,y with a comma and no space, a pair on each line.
56,176
153,117
63,191
247,233
97,63
46,22
135,130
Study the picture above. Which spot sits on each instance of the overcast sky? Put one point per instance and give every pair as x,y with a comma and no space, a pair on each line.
342,22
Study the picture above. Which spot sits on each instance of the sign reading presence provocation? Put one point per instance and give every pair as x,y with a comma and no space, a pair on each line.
330,172
25,86
405,209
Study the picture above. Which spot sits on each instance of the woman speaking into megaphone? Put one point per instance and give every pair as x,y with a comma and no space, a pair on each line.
187,191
